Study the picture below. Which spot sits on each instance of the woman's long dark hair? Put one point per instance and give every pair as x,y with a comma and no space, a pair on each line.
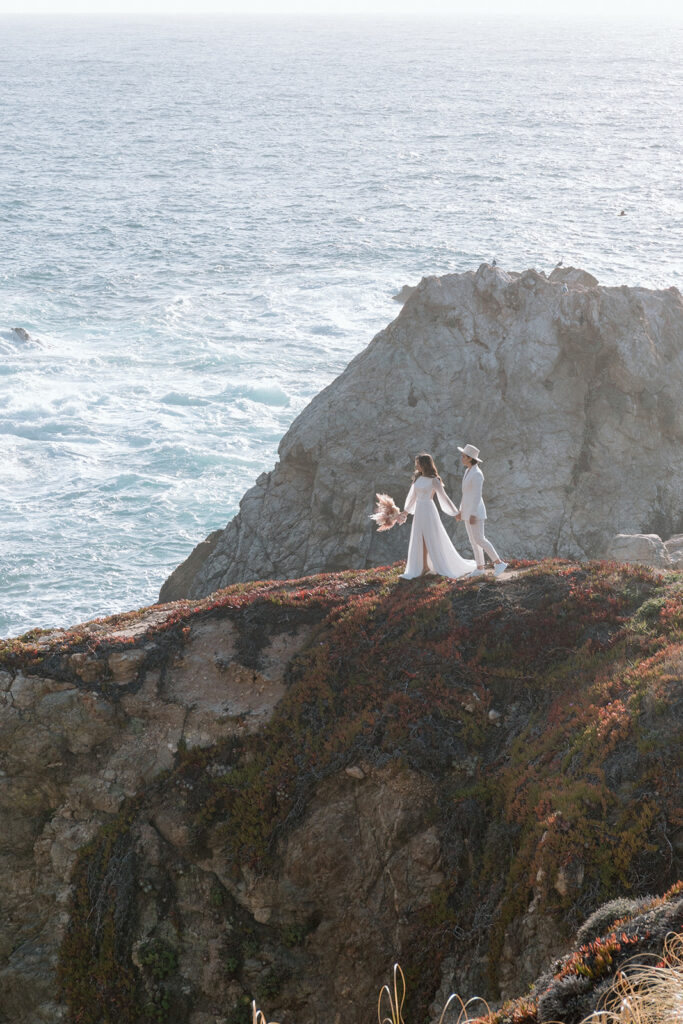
427,467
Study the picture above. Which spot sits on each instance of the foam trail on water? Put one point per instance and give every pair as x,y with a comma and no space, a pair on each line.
190,266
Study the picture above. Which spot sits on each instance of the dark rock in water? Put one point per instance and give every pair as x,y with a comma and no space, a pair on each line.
15,339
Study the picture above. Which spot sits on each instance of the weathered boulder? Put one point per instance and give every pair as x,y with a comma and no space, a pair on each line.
640,549
570,390
674,549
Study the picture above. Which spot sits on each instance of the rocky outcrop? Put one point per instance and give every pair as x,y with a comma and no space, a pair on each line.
15,339
404,294
571,390
647,549
278,791
181,580
674,549
88,719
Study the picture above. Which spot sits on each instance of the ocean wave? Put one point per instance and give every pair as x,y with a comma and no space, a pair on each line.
266,394
195,281
177,398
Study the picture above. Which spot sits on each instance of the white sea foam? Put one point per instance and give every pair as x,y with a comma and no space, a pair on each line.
268,393
197,260
174,398
17,340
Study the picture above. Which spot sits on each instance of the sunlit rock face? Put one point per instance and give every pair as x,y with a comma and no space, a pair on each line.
570,390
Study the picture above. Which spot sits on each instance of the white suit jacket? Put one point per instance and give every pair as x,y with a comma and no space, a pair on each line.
472,503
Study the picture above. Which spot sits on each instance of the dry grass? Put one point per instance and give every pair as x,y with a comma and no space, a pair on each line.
257,1016
463,1009
395,1015
395,996
647,994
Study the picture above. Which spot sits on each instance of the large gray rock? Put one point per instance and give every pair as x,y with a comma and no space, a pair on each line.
571,390
640,549
674,549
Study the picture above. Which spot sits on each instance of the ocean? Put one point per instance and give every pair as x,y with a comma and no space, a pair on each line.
201,222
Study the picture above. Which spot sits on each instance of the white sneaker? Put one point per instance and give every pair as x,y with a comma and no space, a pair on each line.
500,568
477,572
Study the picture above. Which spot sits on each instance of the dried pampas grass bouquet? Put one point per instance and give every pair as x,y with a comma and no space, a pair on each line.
387,513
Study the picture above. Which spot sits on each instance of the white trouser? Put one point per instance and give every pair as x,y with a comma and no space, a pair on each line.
475,531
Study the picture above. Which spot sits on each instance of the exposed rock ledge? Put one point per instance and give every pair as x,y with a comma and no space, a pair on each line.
89,717
571,390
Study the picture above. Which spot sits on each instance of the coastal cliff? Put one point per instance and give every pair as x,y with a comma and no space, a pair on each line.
277,791
570,389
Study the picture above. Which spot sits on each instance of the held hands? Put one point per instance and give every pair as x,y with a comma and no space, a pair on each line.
458,517
402,518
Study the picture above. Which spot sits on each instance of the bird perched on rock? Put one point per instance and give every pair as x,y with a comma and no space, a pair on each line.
565,289
623,213
494,263
558,265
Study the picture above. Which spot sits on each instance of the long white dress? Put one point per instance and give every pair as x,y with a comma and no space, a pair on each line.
428,530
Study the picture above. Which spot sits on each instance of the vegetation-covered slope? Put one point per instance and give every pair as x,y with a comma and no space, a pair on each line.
458,775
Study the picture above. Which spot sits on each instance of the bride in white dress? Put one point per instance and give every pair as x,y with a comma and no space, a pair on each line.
430,547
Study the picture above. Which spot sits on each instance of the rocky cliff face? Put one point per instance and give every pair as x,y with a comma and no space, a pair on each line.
88,719
571,390
278,791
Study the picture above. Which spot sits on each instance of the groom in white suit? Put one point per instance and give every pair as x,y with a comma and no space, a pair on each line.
473,511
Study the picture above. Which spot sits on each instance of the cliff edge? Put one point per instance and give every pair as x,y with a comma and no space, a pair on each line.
571,391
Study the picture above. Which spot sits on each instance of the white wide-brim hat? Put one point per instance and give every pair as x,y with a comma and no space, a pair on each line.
471,451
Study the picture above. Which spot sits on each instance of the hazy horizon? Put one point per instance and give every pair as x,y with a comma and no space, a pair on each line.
658,10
